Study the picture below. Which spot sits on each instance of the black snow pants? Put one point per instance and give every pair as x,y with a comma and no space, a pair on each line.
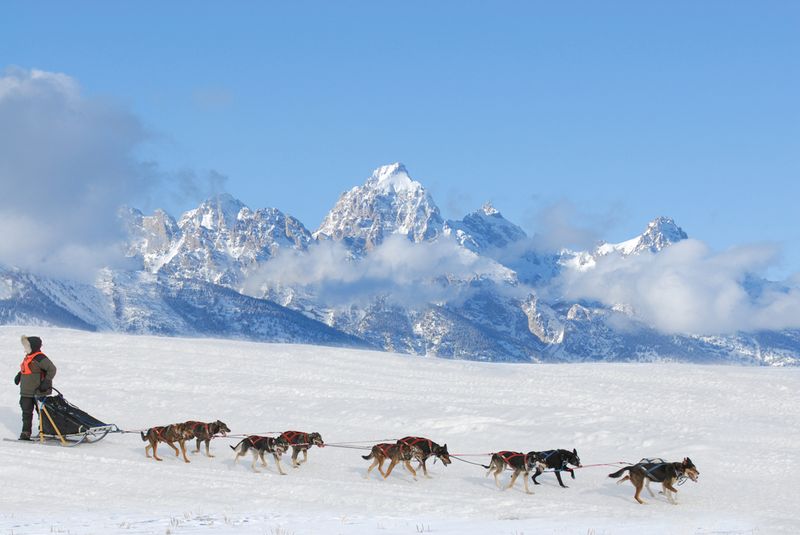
27,405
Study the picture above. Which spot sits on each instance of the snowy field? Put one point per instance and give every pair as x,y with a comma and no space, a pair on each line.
740,426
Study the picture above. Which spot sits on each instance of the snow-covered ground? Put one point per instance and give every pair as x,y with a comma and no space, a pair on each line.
741,427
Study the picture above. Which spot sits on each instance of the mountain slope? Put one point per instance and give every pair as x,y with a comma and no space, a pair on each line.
476,288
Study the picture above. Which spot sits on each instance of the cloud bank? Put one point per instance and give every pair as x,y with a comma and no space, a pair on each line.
405,272
687,288
68,162
66,166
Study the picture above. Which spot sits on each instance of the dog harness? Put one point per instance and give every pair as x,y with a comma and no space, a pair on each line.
385,448
196,425
508,455
413,441
291,435
650,472
25,367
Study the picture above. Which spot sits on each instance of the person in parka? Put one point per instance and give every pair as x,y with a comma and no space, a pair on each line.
35,380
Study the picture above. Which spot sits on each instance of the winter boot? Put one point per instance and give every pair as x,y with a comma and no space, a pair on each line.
24,436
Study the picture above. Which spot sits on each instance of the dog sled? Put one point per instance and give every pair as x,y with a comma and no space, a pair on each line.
61,420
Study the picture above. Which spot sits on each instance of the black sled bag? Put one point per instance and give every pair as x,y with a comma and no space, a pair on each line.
68,418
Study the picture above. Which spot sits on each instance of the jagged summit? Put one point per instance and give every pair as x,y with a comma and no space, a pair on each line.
661,232
484,229
219,241
489,209
392,177
389,202
218,212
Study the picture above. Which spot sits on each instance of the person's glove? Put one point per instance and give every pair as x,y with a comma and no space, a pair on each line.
44,386
18,378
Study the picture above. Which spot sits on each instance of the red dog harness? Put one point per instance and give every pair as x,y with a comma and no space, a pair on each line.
413,441
196,425
289,436
508,455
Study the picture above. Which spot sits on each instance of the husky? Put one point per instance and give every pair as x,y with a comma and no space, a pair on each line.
169,434
658,471
259,446
204,432
429,448
301,441
396,453
520,463
558,460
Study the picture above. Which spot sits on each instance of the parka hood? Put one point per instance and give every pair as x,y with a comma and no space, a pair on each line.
32,344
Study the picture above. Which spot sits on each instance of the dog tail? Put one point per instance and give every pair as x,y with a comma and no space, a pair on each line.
144,438
236,447
619,472
367,457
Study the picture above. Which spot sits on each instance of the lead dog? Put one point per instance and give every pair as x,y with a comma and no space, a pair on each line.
259,446
521,463
169,434
204,432
396,453
301,441
429,448
642,473
558,461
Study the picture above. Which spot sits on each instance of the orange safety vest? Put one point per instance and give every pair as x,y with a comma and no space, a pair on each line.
25,367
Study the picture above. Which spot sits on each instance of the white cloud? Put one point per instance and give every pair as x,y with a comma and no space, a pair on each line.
409,273
687,288
67,164
562,224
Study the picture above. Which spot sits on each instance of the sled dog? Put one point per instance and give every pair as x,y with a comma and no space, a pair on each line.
658,471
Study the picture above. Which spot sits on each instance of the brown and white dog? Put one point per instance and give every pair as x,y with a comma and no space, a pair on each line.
520,463
204,432
396,453
169,434
259,445
658,471
301,441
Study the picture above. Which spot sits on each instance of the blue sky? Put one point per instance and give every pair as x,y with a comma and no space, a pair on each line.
616,112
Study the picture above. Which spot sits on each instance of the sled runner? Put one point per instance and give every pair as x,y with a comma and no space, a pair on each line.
60,419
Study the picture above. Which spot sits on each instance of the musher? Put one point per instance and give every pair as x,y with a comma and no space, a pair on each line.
35,380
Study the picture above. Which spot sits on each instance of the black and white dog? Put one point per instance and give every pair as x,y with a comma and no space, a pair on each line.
259,445
558,461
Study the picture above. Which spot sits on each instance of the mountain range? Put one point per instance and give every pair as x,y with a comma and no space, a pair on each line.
383,270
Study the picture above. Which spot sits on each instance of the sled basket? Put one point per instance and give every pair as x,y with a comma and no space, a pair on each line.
59,417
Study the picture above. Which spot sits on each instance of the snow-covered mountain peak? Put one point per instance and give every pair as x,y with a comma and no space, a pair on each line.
489,209
660,233
484,230
219,212
389,202
392,177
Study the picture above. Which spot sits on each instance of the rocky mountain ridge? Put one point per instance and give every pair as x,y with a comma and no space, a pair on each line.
193,272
